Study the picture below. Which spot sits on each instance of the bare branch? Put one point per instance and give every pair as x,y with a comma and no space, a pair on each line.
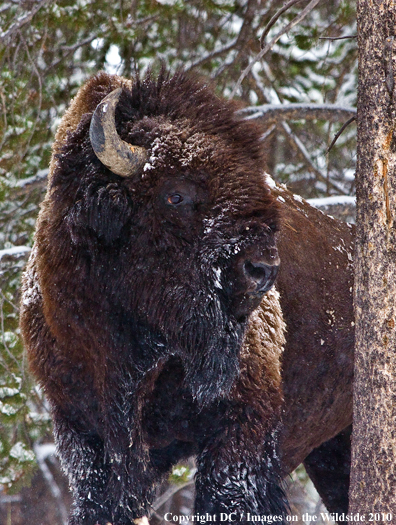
280,112
275,18
70,49
271,44
339,132
261,87
39,105
337,37
21,21
169,493
268,133
213,54
79,44
4,111
299,146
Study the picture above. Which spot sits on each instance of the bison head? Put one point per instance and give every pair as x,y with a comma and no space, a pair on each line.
159,206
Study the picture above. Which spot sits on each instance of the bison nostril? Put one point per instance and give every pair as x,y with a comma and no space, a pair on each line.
263,275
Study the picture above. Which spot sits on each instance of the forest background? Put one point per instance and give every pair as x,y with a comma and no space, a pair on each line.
294,70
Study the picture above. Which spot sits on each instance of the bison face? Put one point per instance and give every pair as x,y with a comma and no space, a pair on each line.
179,223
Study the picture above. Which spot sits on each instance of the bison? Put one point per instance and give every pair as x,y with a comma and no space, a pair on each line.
148,311
315,283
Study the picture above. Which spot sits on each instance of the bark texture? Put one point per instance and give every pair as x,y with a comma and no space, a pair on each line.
373,479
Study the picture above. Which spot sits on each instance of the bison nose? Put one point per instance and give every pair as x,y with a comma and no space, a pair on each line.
260,275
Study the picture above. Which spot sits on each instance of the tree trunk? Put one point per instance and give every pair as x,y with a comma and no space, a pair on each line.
373,481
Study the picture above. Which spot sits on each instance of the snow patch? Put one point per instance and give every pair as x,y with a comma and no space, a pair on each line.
270,181
19,452
153,155
331,201
298,198
44,451
8,410
8,392
31,291
217,282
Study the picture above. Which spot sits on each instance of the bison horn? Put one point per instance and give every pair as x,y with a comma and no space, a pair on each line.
116,154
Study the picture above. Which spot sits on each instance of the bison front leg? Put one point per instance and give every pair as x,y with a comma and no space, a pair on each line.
83,460
238,472
109,485
238,467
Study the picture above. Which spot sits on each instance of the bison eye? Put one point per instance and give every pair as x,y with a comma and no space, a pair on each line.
180,199
175,198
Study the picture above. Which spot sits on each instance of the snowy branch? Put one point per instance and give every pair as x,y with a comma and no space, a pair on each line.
339,206
24,186
280,112
307,111
7,498
21,21
335,200
14,253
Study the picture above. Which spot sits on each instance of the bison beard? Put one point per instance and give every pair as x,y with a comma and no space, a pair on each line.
138,308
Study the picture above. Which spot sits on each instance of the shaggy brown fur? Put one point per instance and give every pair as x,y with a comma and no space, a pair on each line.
136,313
315,284
119,293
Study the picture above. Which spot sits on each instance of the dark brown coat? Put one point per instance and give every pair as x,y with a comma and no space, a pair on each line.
316,288
315,284
135,310
137,299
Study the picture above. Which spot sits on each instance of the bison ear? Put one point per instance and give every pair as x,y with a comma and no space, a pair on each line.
120,157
